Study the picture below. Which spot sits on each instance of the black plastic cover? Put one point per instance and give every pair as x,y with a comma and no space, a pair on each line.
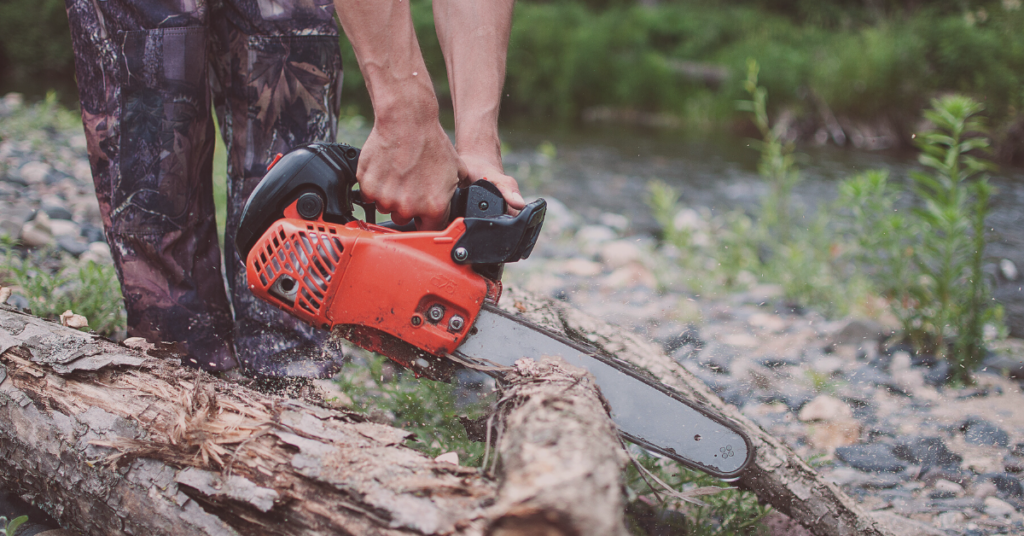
501,239
327,169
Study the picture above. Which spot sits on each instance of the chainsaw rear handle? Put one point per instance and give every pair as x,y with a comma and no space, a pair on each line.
321,179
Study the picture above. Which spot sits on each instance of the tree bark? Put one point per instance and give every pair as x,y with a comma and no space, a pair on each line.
111,440
561,459
778,476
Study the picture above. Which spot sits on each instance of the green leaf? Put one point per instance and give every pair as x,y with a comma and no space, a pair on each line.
14,524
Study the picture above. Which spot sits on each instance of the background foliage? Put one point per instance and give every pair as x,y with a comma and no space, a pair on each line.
868,60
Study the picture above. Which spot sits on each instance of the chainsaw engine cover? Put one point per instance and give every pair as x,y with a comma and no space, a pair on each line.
362,275
327,170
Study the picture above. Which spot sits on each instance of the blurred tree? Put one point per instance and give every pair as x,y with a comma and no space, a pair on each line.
34,37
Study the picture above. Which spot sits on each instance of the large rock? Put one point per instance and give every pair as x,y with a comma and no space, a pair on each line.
825,408
35,172
981,432
1007,484
873,458
859,332
926,451
619,253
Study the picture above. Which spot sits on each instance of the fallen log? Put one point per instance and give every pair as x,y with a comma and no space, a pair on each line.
778,476
561,459
111,440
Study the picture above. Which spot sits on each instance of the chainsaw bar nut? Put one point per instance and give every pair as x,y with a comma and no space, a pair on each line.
435,313
456,323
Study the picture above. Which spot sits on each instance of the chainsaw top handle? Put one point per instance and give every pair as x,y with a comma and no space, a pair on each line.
320,178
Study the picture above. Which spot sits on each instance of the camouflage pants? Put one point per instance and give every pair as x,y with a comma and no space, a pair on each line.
147,73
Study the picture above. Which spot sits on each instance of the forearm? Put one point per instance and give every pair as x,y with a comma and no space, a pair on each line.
385,45
474,38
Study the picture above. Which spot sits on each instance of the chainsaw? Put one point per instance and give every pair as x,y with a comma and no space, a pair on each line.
428,299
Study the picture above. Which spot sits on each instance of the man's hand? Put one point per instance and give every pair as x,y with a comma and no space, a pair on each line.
474,39
408,167
410,171
480,167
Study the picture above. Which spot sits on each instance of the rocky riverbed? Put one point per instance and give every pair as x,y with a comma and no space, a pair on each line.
874,416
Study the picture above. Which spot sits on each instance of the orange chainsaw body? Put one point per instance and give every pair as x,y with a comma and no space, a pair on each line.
367,276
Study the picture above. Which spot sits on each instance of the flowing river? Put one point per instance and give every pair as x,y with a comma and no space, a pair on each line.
601,168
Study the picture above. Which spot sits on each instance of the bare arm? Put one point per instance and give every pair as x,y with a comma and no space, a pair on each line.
474,38
407,166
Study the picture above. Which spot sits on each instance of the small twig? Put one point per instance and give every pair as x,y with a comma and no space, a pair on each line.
494,367
640,469
487,441
685,496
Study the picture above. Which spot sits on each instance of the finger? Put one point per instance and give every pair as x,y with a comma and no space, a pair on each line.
399,220
428,223
464,179
509,189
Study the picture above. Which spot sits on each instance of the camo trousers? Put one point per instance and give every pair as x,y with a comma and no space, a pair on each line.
148,72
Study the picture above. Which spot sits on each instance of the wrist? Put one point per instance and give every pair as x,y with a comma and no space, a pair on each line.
405,102
479,139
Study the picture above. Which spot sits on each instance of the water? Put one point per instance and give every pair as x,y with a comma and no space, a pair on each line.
606,169
602,168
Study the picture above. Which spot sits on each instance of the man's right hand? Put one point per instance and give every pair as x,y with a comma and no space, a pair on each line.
410,170
408,166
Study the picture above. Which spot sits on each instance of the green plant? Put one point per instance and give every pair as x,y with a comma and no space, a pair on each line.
876,235
777,165
54,283
10,527
663,200
955,203
35,123
726,513
424,407
716,252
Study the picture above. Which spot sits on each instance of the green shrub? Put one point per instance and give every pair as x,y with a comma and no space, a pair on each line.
862,60
875,232
927,262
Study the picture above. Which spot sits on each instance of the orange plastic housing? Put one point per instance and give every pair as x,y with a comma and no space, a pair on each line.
366,275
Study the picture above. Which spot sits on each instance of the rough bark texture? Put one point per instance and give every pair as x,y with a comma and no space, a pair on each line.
110,440
778,476
561,460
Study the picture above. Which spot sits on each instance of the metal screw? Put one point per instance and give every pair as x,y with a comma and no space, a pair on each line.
417,320
435,313
483,205
461,254
456,323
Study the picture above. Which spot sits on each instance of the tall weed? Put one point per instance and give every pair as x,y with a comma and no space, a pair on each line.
955,196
